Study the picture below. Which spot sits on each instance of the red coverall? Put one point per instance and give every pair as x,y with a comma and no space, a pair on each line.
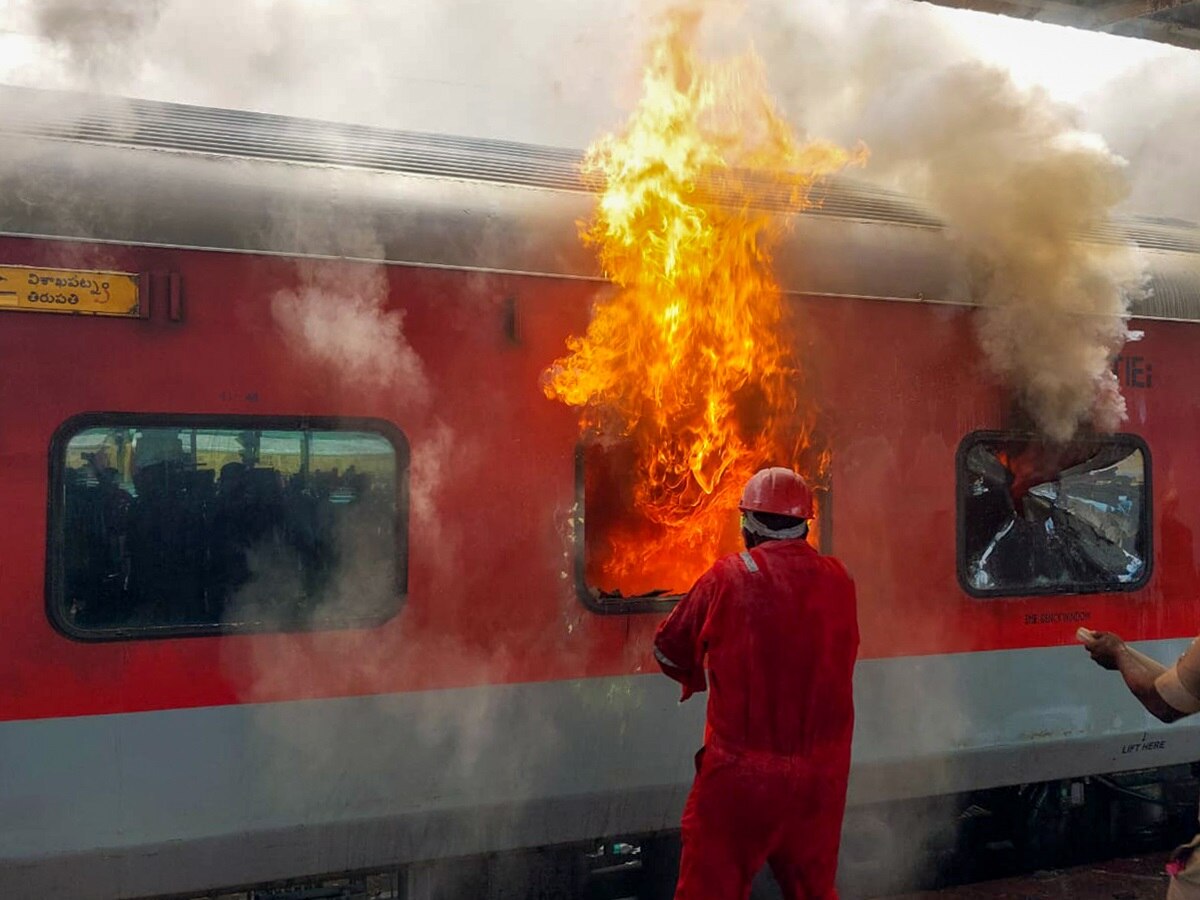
779,629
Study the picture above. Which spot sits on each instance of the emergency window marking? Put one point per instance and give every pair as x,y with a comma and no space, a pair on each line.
177,525
1040,519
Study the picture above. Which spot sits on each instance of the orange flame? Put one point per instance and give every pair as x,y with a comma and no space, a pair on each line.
689,362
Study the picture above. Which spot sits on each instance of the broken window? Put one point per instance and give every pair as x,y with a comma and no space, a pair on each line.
619,569
192,525
1037,518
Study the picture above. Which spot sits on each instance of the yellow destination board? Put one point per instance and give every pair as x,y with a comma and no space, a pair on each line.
68,291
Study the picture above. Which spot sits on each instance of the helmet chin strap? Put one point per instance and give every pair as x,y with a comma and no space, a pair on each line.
751,523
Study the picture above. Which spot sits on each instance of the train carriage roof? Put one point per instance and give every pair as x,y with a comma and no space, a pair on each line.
139,171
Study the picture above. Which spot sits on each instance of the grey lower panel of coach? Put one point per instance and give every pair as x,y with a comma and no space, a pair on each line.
183,800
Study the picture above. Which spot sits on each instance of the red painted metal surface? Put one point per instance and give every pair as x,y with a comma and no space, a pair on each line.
491,574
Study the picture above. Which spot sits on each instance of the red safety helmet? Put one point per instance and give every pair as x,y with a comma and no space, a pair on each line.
777,490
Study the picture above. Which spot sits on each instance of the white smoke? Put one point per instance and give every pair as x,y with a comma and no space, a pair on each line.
1157,132
451,66
339,316
560,73
554,72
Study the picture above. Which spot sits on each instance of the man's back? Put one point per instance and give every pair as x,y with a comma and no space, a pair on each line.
778,625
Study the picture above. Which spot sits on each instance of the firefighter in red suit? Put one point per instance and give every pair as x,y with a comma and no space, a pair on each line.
776,629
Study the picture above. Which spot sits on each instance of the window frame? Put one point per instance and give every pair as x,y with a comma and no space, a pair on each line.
55,573
1146,525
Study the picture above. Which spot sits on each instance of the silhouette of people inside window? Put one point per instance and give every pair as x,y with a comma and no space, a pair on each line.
167,536
97,512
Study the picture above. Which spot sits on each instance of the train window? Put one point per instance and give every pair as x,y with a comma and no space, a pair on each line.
610,574
1036,518
164,526
629,563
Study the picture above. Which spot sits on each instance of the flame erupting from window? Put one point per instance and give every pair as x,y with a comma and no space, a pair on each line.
689,365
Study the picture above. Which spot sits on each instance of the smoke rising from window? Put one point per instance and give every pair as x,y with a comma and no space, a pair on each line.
1015,175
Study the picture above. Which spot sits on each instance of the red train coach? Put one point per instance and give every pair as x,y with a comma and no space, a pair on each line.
295,548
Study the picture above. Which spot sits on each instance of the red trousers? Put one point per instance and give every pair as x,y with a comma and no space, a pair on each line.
747,809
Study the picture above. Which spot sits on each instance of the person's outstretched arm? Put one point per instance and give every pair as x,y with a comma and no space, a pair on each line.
1165,692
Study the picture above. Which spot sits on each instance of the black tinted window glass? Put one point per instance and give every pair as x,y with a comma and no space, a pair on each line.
189,529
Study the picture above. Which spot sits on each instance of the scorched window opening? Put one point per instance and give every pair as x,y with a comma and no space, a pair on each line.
174,525
607,515
1036,518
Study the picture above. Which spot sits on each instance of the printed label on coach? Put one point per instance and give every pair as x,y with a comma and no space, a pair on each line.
68,291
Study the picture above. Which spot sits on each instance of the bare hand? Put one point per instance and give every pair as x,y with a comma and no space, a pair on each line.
1104,647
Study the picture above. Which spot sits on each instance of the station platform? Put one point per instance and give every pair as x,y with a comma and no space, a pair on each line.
1133,878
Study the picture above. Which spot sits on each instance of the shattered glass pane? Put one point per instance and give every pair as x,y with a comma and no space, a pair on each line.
1037,518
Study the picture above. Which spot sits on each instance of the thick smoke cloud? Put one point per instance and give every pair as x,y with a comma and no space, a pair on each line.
1019,187
1018,181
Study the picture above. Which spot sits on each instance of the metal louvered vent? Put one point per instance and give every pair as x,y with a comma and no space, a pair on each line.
172,126
1172,295
1151,234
